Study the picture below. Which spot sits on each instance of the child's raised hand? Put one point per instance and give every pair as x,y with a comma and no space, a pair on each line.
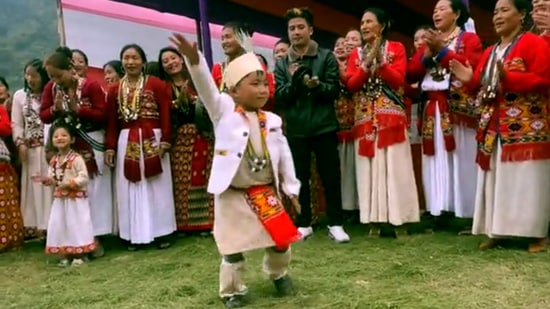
186,48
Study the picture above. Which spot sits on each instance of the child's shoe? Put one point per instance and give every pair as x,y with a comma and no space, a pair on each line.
64,263
284,286
235,301
77,262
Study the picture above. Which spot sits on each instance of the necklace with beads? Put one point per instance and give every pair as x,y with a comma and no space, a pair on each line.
129,98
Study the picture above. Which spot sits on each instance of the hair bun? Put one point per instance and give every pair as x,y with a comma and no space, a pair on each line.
65,51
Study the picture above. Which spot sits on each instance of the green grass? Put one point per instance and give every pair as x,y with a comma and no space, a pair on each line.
440,271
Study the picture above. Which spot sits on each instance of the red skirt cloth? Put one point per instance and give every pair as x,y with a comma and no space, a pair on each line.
191,160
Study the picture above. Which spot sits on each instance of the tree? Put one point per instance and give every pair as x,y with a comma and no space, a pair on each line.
30,31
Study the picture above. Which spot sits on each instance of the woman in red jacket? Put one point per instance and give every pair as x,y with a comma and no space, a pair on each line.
385,177
447,117
513,135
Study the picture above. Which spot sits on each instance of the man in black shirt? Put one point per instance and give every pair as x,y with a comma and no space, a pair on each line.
306,87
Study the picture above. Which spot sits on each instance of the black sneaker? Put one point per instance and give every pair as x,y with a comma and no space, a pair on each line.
235,301
284,286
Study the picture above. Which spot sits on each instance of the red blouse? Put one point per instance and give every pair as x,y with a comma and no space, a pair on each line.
92,103
392,72
469,50
156,103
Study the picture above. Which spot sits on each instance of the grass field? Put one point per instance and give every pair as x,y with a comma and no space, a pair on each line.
440,271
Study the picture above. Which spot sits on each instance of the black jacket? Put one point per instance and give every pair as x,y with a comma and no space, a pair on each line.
308,112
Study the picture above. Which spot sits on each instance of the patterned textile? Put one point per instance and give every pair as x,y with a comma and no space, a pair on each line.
382,121
463,108
67,250
521,123
11,221
134,149
345,111
191,160
440,100
270,211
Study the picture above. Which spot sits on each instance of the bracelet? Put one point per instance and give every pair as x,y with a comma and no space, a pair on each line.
165,145
109,151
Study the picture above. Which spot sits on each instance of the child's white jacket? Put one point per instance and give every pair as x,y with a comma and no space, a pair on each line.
231,137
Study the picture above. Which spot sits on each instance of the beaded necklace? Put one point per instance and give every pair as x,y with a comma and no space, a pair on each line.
129,98
183,100
60,167
256,163
374,84
31,116
439,72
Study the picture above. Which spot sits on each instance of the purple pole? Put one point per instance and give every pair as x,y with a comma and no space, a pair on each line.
204,31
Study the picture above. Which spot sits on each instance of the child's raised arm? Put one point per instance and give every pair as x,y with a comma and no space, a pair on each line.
202,79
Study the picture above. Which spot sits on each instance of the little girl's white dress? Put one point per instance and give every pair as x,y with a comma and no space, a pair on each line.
70,229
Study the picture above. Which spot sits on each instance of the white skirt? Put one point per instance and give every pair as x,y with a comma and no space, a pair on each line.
100,192
437,174
513,199
464,171
450,177
145,209
350,200
387,187
70,229
36,199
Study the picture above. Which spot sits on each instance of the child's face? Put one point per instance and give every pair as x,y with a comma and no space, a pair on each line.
252,92
62,139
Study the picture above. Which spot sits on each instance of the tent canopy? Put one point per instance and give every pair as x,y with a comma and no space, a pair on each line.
333,18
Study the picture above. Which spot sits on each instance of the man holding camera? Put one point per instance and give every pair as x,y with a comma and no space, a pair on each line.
306,87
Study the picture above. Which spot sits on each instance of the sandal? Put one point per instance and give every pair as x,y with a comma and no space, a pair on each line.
163,245
64,263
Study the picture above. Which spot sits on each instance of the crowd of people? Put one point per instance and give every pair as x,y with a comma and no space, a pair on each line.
171,145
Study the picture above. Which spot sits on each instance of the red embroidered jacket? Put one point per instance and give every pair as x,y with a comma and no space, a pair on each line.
519,114
392,72
384,113
92,105
156,103
468,49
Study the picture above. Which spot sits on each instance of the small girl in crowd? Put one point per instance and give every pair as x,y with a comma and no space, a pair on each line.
70,231
251,159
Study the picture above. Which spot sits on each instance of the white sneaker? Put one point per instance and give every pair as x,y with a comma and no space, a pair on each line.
305,232
338,234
